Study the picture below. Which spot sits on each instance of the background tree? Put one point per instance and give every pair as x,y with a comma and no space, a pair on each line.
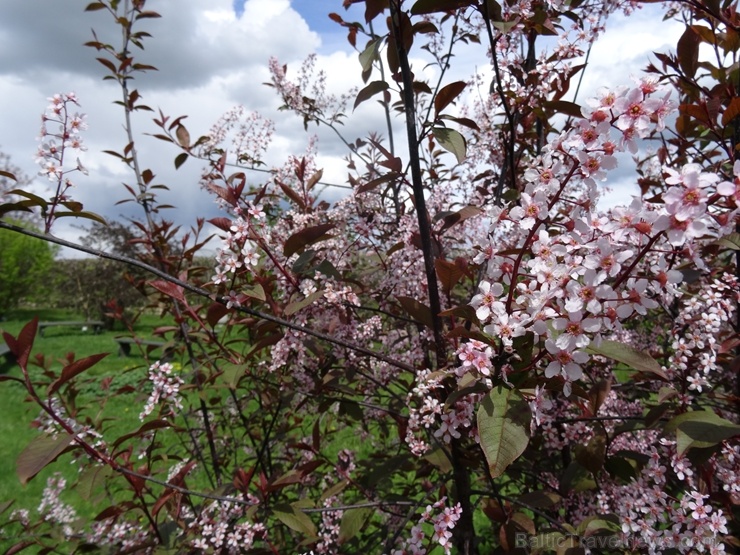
26,267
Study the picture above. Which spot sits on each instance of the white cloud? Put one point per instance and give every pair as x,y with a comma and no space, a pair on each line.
210,60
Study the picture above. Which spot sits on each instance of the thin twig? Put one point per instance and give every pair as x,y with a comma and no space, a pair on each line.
207,294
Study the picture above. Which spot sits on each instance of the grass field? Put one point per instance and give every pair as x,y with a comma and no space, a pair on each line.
16,430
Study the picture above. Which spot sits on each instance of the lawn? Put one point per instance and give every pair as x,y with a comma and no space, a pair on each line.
16,430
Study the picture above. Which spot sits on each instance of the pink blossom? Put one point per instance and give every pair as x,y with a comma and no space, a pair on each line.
573,330
532,209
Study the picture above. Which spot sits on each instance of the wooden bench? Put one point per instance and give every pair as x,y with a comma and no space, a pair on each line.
6,354
124,346
8,358
96,325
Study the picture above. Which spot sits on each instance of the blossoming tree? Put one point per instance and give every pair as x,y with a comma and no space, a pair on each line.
525,371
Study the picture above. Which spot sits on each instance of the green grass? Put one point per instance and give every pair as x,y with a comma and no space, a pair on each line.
16,430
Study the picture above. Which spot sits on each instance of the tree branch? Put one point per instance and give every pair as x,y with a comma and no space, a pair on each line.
207,294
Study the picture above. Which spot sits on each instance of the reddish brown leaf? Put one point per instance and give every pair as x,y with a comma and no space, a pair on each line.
565,107
448,94
215,312
695,111
22,345
460,216
369,91
144,428
223,224
425,27
465,122
314,179
307,236
183,137
439,6
169,289
732,111
40,452
448,273
73,369
291,194
687,50
18,547
373,8
418,311
370,185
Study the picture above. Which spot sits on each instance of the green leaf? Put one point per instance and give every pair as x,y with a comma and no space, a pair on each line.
602,525
700,429
231,376
180,160
591,456
639,360
336,489
292,308
353,520
40,452
92,481
38,201
731,241
505,26
7,174
452,141
256,292
368,92
439,459
504,418
295,519
417,310
540,499
85,215
370,53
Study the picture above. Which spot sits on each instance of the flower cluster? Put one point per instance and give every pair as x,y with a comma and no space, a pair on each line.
166,388
237,250
120,533
60,130
647,512
443,523
577,275
248,133
51,426
60,133
222,526
53,509
696,329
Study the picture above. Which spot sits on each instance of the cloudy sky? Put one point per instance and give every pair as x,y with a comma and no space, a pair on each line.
212,55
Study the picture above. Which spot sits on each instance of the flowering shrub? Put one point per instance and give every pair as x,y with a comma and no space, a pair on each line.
475,337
